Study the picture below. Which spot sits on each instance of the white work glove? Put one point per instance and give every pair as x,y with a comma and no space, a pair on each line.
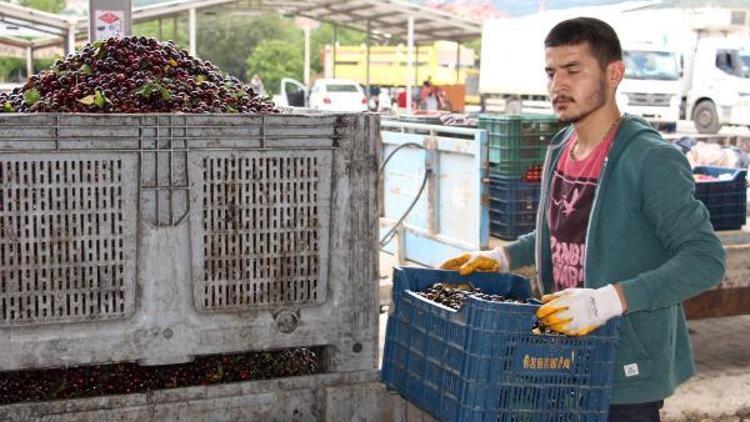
494,260
577,312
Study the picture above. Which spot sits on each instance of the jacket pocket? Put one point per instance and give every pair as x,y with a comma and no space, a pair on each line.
633,362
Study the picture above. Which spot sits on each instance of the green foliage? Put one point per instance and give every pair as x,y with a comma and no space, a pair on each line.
171,29
152,87
31,96
51,6
324,35
476,44
275,59
13,69
228,41
231,41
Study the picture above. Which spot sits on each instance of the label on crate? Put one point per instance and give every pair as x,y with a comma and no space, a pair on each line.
540,359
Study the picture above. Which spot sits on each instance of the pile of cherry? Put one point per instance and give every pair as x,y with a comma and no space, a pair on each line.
128,378
455,295
133,75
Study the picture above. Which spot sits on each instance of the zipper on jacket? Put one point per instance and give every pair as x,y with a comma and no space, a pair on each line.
539,220
540,216
591,216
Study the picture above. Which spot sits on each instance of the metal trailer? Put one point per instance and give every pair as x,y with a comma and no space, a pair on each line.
732,295
452,213
156,238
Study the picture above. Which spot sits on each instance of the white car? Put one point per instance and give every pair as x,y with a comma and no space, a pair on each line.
337,95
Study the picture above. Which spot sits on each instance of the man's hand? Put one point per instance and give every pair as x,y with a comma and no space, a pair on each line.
492,260
577,312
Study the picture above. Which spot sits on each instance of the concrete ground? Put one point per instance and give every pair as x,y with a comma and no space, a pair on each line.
719,392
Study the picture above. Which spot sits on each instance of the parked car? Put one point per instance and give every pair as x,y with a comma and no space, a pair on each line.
325,94
337,95
292,94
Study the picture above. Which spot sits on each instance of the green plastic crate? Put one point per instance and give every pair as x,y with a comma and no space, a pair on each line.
518,142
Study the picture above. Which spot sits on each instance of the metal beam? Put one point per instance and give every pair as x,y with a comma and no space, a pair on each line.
375,17
409,60
367,63
30,25
335,40
174,7
458,61
49,42
347,11
14,42
192,28
307,55
315,7
29,61
35,16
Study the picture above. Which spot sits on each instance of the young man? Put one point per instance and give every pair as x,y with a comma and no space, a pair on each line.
618,231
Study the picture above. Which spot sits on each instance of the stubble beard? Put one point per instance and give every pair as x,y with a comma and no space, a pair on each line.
597,97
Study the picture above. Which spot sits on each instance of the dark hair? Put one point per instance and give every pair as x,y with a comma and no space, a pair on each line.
601,37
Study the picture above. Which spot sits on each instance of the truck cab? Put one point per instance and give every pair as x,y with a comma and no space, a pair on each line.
651,85
512,77
717,85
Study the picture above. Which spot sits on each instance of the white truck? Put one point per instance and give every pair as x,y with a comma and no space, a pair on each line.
716,83
512,77
713,46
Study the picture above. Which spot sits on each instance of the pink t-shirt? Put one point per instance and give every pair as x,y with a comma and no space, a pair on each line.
571,198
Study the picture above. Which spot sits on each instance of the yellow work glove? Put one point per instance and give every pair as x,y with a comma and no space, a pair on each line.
494,260
577,312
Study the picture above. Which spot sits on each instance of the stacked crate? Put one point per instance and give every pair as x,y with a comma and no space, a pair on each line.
724,193
482,362
517,147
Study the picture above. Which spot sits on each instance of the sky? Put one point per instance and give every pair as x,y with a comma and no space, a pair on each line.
523,7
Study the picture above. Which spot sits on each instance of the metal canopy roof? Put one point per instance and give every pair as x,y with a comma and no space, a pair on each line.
25,17
387,17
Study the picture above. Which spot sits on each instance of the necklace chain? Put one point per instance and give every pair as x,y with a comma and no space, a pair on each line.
611,129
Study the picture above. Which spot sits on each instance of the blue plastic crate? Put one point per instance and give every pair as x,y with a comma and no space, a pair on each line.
513,206
482,363
726,200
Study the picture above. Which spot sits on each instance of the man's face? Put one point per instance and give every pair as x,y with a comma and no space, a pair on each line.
575,82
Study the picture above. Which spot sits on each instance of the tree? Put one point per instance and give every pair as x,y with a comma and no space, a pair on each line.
51,6
273,60
228,40
323,36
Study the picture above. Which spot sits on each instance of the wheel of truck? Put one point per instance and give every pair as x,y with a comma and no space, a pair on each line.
705,117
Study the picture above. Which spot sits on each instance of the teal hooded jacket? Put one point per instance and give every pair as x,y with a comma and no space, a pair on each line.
648,233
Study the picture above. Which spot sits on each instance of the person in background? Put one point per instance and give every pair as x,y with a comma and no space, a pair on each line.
384,100
618,230
257,84
444,103
427,96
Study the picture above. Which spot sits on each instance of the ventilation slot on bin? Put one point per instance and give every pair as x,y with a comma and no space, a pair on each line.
64,256
265,219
